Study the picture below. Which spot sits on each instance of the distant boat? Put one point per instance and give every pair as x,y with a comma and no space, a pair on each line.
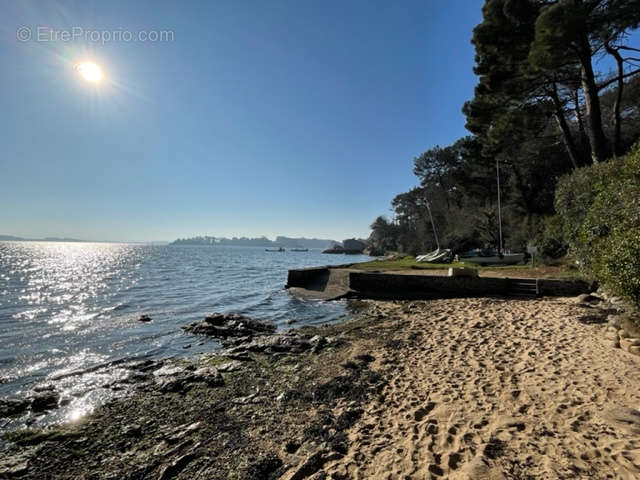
274,250
298,249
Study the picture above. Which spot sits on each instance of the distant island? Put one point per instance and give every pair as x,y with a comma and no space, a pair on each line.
280,241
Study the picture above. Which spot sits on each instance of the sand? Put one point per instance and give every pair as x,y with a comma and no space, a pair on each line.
491,389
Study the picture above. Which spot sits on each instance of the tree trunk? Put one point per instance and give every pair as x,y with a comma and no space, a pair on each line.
617,136
564,127
584,140
597,138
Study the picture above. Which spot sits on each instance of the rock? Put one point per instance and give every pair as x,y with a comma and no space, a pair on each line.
253,398
232,325
634,349
264,468
279,343
172,385
132,430
12,466
615,321
209,375
175,467
232,366
622,333
627,343
611,335
182,431
47,387
13,406
588,298
177,379
168,370
45,401
144,318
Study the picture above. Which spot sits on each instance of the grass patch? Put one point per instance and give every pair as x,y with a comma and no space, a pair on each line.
407,263
559,272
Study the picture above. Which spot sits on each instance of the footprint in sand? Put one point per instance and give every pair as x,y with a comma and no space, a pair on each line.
422,412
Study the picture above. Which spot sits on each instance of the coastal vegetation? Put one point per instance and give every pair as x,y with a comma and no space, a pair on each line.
556,111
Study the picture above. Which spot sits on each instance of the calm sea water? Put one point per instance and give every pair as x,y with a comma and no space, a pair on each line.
71,307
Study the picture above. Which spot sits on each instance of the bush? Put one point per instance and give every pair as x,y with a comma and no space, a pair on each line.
600,211
551,241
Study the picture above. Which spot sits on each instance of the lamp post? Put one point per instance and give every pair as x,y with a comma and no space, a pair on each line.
499,209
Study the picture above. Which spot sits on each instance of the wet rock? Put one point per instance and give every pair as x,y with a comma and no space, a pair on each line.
182,431
45,401
144,318
13,406
209,375
253,398
47,387
178,379
142,365
233,325
132,430
175,467
12,466
280,343
232,366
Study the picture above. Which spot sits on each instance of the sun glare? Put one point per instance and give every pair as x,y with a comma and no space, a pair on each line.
90,72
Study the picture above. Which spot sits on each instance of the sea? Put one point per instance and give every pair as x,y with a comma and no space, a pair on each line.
69,312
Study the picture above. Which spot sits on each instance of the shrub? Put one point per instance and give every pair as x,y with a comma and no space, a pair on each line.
599,207
551,241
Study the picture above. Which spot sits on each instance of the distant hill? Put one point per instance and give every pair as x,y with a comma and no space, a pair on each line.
280,241
11,238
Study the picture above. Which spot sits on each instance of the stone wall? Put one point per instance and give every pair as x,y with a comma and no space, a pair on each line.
398,286
562,288
381,285
302,277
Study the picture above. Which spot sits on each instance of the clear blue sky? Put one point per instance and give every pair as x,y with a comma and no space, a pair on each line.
297,117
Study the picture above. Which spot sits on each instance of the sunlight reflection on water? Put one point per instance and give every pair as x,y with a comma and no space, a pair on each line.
65,307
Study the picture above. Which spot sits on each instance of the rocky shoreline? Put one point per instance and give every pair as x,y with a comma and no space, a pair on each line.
259,378
465,388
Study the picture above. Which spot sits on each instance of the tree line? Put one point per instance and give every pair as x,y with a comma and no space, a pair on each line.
558,89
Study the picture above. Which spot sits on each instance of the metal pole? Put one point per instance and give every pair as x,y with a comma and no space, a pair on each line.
433,225
499,209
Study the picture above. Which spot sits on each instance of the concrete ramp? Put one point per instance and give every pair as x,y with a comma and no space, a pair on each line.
322,283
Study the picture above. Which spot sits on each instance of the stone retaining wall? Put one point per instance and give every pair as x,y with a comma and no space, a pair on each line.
383,285
302,277
399,286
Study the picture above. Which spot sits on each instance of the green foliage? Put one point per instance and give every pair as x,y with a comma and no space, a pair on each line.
551,240
600,210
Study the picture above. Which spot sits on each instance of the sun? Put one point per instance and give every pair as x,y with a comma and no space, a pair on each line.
89,71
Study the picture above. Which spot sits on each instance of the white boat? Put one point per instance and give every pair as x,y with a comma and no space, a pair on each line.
437,256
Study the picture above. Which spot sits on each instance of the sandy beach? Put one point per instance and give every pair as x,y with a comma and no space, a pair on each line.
480,388
487,388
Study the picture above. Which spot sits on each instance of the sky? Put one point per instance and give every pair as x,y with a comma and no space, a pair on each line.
223,118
